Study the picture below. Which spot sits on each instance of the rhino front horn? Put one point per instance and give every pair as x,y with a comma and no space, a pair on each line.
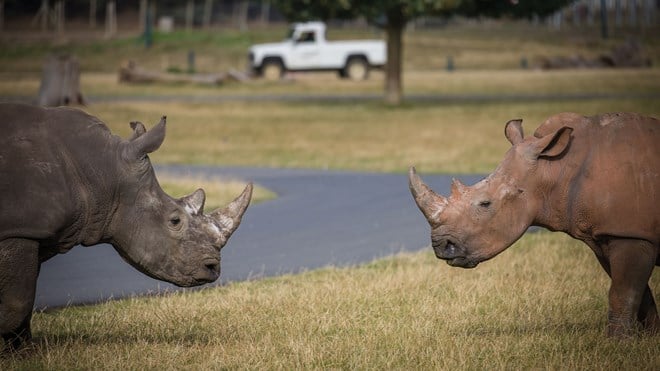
229,217
430,203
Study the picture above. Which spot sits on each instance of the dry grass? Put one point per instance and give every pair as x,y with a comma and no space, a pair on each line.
540,305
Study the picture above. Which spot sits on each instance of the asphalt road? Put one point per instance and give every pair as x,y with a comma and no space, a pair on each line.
319,218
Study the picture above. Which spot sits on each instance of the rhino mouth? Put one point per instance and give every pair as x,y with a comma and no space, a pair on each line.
452,253
462,262
208,272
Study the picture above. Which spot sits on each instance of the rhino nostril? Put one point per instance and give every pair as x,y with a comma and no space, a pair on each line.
439,244
213,267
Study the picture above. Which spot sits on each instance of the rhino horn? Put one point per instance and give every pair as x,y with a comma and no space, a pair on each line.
457,188
430,203
229,217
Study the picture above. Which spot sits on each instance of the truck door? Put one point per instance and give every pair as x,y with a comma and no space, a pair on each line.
306,53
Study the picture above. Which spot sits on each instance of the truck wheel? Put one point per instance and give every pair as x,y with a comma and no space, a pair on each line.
272,70
357,69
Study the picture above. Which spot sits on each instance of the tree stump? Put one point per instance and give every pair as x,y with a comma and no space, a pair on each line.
60,82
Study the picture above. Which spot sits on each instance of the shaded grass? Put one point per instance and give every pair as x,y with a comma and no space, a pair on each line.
540,305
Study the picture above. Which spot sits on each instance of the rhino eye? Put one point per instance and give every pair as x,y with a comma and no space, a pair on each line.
175,221
484,204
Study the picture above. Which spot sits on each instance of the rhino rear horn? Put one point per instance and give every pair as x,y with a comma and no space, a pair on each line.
229,217
430,203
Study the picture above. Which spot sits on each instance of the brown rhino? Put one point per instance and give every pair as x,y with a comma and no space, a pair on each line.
594,178
66,180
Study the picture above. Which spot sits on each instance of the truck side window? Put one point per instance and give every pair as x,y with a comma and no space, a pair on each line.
306,37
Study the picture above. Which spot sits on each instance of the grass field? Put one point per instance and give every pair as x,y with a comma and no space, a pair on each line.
219,191
540,305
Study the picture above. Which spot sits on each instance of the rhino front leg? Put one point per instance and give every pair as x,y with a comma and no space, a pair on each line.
648,313
631,263
19,268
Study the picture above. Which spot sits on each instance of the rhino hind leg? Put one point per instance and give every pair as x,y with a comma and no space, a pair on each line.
631,302
19,268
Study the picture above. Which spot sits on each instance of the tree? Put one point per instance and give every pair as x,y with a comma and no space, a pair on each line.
393,15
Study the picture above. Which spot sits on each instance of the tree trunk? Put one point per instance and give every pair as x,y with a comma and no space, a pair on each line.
110,20
632,13
44,12
241,15
618,17
603,19
60,17
190,14
92,13
2,14
265,11
142,14
393,85
208,11
60,82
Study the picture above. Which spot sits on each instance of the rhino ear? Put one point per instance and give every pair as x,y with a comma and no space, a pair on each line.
194,202
149,141
138,129
553,144
513,131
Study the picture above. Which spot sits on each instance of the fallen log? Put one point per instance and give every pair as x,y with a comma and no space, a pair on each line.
130,72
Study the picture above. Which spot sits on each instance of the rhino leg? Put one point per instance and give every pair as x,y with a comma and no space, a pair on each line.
648,313
630,264
19,268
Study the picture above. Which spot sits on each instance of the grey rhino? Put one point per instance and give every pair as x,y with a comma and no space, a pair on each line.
66,180
594,178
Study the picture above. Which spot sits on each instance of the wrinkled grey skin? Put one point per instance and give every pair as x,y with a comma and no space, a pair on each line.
66,180
594,178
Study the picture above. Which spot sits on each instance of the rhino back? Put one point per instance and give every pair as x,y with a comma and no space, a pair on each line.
54,164
609,178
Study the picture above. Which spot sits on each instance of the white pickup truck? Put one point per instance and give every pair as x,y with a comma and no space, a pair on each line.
306,49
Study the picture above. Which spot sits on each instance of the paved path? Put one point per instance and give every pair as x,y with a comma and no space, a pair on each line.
320,218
